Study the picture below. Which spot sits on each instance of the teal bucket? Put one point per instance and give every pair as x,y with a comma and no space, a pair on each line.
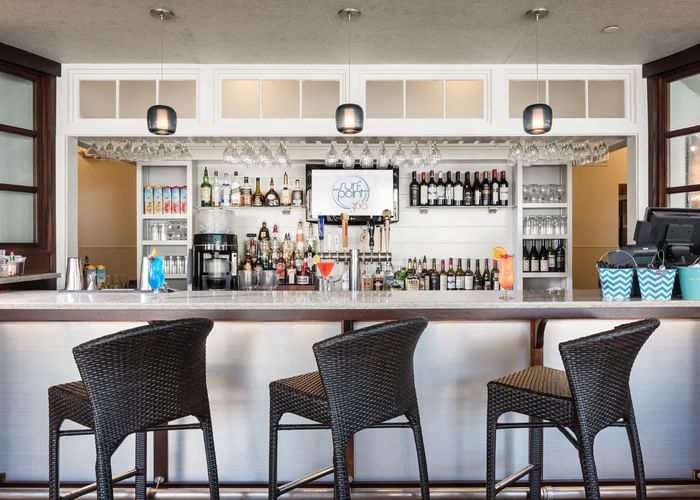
690,282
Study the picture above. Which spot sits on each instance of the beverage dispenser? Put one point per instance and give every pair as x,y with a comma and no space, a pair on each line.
215,251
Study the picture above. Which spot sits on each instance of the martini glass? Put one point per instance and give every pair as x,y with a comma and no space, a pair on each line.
505,275
325,267
156,274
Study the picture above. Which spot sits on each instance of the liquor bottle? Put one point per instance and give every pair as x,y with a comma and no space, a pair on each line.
449,191
311,240
495,277
560,253
300,237
216,191
432,190
366,279
434,277
258,197
485,190
469,276
378,281
443,275
451,276
246,193
411,279
291,273
235,191
205,190
414,191
226,191
534,258
459,275
440,190
551,257
281,271
526,258
544,261
297,194
478,280
486,277
286,194
388,276
458,191
425,275
476,190
468,191
264,233
423,196
504,189
304,277
272,199
495,188
275,250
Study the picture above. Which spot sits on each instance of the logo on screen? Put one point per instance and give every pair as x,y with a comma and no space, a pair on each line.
351,193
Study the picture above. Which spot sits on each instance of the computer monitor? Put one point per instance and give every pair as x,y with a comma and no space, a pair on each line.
675,230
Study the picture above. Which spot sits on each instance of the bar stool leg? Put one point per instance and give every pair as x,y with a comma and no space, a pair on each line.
491,420
636,450
208,435
536,458
272,463
341,484
588,468
54,484
103,470
140,461
414,420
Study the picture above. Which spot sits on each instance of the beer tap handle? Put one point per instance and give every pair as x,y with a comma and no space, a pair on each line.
370,230
345,218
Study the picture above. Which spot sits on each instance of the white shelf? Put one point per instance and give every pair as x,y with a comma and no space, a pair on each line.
175,276
545,275
164,216
165,243
492,209
545,205
545,236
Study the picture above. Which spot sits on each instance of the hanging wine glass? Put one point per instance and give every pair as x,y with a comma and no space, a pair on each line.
434,156
516,151
347,157
118,152
281,156
128,151
552,151
231,154
142,152
161,151
416,157
366,160
247,154
587,154
92,150
399,156
185,153
605,155
108,151
264,155
382,156
332,156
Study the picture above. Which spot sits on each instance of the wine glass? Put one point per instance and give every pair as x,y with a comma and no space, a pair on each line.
92,151
434,156
416,157
347,156
382,156
231,154
325,267
505,275
156,273
247,154
366,160
332,156
264,155
399,156
108,151
281,156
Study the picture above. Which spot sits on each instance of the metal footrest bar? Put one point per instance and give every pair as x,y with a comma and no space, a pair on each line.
93,486
525,425
302,427
287,487
173,427
515,476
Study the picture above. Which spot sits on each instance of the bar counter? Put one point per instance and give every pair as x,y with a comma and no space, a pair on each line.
472,337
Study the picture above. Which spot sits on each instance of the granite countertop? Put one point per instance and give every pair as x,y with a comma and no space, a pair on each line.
8,280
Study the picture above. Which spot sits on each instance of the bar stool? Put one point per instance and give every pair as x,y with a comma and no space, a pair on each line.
591,394
364,378
134,381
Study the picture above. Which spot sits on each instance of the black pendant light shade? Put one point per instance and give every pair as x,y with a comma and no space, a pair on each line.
537,119
349,118
162,120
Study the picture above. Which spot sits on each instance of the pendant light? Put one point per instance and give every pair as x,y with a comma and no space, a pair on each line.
537,118
349,118
162,120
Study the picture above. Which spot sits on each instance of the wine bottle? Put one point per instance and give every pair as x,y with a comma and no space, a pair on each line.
272,199
469,276
458,191
495,276
216,191
235,191
486,276
561,257
423,198
495,188
432,190
534,258
451,276
460,277
478,282
449,191
551,257
205,190
414,191
485,190
258,198
504,189
434,277
226,191
544,261
425,275
468,191
526,258
443,275
476,190
440,191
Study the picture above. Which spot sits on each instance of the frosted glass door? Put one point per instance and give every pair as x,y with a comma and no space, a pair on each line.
16,101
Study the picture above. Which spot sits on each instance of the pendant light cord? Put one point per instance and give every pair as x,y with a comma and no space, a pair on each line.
537,57
349,53
162,18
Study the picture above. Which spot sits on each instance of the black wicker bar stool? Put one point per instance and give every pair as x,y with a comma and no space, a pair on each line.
591,394
134,381
364,378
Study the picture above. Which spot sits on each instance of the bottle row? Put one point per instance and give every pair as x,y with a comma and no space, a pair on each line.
164,200
489,191
550,257
418,276
231,193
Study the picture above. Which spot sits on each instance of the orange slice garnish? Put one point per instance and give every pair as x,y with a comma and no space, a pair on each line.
498,253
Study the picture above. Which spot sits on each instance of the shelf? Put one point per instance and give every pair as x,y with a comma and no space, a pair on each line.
545,236
164,216
544,205
165,243
545,275
175,276
489,209
546,163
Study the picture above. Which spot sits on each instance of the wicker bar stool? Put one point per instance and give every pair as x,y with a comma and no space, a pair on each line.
364,378
591,394
133,382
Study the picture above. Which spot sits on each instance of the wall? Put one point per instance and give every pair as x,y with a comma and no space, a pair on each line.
595,212
106,214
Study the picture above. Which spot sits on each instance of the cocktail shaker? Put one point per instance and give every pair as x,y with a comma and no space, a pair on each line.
144,286
74,274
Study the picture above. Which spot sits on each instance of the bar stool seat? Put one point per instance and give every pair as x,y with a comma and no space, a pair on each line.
302,395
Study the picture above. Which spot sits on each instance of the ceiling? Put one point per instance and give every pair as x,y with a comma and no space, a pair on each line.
389,31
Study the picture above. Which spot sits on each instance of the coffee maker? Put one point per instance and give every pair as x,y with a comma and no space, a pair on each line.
215,259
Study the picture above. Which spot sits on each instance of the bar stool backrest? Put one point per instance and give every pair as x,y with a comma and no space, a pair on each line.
145,376
598,368
368,373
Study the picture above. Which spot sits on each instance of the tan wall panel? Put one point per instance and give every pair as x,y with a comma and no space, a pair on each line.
522,93
384,99
135,97
424,99
280,99
240,99
319,98
464,99
181,95
595,208
567,98
98,99
606,99
107,214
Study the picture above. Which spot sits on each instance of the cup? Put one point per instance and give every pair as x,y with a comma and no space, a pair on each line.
74,274
143,275
246,280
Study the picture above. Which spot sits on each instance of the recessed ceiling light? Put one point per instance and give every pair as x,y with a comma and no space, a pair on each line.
611,29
